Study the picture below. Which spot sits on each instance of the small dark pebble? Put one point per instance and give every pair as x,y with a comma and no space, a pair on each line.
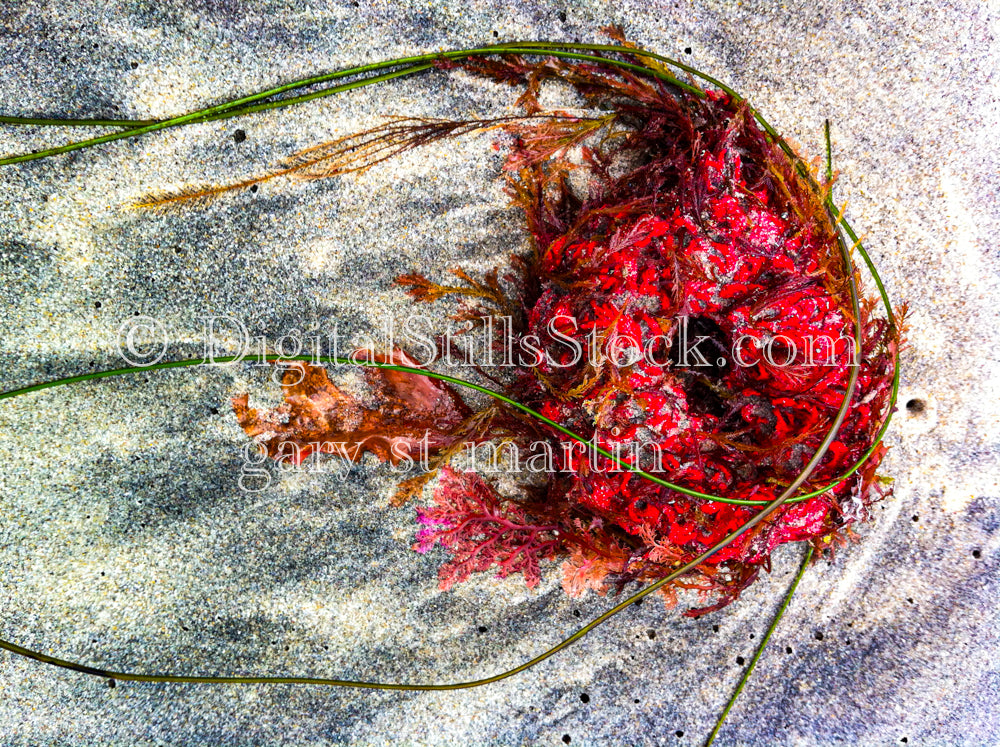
482,628
651,633
819,635
567,738
977,554
740,660
239,136
584,698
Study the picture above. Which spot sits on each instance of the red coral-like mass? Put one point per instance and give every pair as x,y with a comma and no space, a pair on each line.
688,309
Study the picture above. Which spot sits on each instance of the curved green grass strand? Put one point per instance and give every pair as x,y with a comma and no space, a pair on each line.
691,565
414,64
234,109
47,122
763,644
169,678
809,552
326,681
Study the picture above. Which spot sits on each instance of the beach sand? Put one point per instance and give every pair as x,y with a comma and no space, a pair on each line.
127,543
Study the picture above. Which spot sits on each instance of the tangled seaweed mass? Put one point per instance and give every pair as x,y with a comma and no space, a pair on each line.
670,217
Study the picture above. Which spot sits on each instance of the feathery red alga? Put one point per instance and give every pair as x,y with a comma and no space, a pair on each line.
689,299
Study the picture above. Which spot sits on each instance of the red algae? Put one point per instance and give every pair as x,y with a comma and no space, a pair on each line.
688,309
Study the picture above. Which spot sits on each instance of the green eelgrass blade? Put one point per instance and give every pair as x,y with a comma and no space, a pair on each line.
277,680
725,542
193,117
412,65
757,519
232,108
771,507
760,650
236,108
809,552
48,122
829,150
691,565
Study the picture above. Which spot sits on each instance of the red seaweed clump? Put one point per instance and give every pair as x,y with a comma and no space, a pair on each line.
685,305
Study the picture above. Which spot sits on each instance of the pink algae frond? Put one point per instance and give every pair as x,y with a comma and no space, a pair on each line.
481,531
